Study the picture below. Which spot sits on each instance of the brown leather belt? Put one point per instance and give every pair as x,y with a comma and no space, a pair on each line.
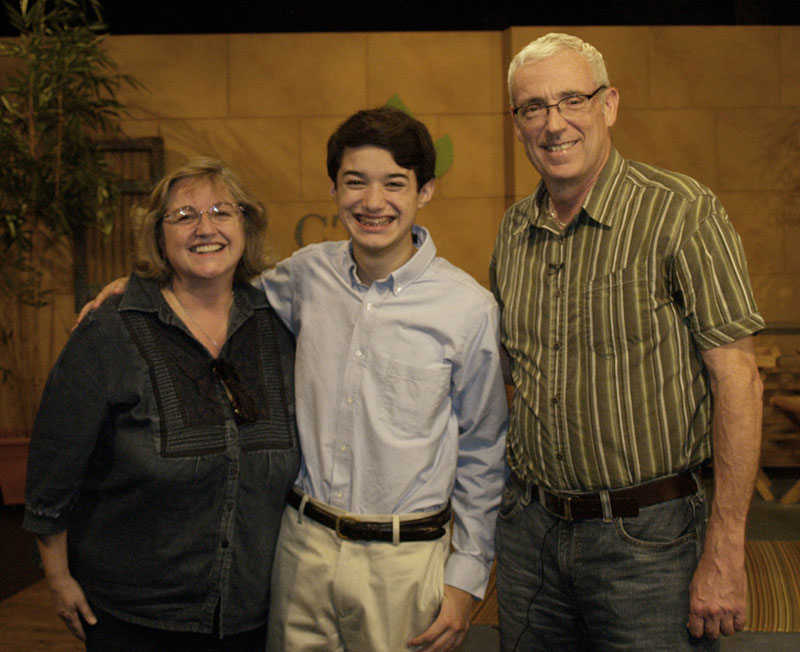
426,528
623,503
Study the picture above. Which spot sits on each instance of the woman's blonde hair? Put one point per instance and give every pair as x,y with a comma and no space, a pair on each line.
148,222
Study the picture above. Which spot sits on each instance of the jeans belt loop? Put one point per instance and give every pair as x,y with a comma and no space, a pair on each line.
605,503
395,530
542,498
528,490
698,483
567,508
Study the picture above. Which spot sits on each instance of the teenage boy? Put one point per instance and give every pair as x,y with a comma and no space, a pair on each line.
401,414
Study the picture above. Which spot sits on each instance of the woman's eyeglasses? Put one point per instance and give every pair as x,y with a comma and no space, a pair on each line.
219,214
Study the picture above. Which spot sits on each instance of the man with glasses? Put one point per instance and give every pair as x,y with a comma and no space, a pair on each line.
627,316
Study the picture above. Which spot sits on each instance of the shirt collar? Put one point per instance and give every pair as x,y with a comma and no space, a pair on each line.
144,295
407,273
600,203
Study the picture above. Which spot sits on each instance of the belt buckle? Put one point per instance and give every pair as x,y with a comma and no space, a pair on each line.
566,501
338,529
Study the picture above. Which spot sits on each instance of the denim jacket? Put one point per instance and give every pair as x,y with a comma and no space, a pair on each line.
171,507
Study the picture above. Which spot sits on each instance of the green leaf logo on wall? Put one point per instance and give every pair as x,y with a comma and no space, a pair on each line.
443,146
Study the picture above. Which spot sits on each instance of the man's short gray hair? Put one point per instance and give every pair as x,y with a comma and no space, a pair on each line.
546,46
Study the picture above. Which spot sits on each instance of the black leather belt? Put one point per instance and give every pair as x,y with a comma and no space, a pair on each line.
624,503
426,528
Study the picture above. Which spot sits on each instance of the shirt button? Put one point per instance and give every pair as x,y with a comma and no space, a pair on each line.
369,306
399,288
556,346
554,400
338,494
559,456
358,353
343,448
349,400
224,543
558,292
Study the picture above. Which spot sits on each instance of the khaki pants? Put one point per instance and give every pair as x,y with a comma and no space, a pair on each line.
331,595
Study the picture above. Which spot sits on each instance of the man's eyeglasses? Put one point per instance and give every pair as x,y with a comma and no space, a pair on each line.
242,402
219,214
569,107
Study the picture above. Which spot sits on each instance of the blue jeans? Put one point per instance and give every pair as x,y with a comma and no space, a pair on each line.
620,585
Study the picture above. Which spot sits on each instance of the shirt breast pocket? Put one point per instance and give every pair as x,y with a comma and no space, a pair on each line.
617,313
413,398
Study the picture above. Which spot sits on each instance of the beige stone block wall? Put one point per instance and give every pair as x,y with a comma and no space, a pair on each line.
297,74
184,76
721,104
268,102
677,139
714,66
437,72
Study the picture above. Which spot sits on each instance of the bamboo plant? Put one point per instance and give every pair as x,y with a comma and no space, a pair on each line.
57,98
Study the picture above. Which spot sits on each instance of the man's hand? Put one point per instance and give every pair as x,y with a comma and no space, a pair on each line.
115,287
718,589
448,630
70,603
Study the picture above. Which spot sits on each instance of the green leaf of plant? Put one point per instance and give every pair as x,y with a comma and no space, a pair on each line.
444,155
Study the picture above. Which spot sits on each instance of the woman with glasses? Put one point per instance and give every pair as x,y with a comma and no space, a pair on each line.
165,442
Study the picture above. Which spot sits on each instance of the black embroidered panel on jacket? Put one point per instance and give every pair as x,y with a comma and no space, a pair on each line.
195,415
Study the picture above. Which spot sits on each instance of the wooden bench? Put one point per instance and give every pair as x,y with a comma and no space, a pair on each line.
789,405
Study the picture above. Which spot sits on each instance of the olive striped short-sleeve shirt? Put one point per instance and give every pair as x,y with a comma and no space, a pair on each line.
604,323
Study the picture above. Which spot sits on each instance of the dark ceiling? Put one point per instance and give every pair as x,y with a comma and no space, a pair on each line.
242,16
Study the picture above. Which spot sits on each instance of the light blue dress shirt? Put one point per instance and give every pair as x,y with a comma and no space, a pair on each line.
400,397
